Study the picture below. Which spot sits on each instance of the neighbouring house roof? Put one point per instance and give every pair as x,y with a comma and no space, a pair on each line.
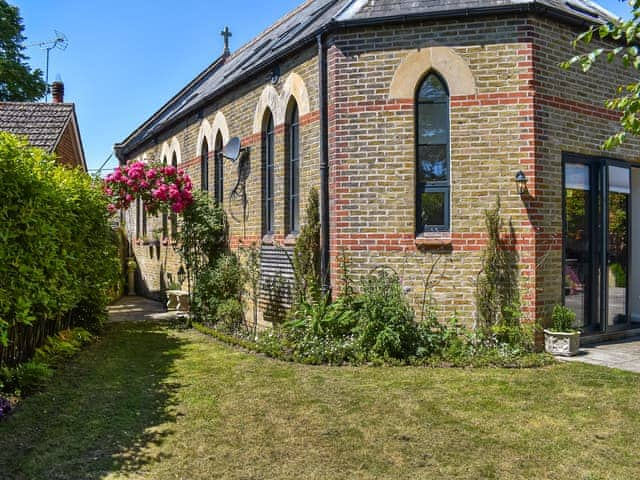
43,124
300,27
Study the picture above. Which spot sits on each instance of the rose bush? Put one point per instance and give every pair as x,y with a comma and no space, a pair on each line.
160,187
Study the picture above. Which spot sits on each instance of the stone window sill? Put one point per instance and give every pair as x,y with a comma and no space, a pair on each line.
290,240
434,241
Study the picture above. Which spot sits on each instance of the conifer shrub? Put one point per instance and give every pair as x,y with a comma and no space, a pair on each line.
306,254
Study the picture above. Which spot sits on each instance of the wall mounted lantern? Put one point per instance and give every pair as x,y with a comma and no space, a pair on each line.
182,274
521,182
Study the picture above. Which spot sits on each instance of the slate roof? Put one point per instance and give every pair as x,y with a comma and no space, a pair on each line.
42,123
385,9
300,27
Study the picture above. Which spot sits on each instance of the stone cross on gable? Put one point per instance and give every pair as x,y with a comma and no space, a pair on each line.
226,33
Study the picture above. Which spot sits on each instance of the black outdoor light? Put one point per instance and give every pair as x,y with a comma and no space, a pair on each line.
182,274
521,182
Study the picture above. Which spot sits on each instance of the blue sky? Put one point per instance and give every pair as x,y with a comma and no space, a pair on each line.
126,58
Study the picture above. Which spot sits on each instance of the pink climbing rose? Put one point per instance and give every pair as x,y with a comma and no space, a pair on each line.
161,188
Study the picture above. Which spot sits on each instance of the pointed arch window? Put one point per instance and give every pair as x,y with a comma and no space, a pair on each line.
165,219
432,151
219,171
204,166
292,171
174,217
268,154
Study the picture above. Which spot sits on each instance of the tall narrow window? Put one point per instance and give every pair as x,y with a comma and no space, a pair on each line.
144,221
165,220
268,154
292,172
138,216
219,172
204,166
174,217
432,149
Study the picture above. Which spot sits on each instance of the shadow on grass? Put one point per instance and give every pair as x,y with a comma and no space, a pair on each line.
107,411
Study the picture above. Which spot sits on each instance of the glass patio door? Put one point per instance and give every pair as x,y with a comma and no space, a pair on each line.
597,239
581,227
617,257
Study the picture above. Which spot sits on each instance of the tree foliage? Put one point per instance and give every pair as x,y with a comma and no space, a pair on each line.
625,37
18,83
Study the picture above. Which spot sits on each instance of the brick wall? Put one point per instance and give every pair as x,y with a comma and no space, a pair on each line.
523,113
239,108
570,117
373,155
67,149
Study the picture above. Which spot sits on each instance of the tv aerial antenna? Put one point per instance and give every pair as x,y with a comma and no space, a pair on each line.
61,43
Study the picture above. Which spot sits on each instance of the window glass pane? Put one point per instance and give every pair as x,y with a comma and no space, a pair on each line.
576,176
219,169
204,166
432,208
433,123
433,164
433,90
269,152
619,180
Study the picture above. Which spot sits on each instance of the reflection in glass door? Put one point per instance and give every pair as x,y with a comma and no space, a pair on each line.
578,254
618,200
597,226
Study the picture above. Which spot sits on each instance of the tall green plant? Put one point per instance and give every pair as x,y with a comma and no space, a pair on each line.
203,235
203,244
497,294
306,255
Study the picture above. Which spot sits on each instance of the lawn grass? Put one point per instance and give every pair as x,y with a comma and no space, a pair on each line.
148,401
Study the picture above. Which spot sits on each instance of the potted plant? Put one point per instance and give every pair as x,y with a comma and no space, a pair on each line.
561,338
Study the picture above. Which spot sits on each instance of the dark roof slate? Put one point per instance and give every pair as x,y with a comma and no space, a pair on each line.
301,25
42,123
382,9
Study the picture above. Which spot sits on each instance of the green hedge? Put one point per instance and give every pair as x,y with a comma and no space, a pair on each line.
58,256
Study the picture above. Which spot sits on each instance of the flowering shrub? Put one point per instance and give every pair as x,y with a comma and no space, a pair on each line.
158,186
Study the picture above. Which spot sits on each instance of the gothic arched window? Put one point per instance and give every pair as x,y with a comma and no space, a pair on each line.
292,171
432,151
268,154
204,166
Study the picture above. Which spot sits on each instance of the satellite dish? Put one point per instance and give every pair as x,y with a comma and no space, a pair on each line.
232,149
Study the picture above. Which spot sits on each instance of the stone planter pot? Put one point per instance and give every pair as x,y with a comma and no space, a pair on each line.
564,344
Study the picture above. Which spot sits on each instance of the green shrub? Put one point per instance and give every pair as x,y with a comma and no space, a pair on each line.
230,314
62,346
306,254
57,250
31,377
562,319
522,336
218,285
619,275
324,319
386,326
